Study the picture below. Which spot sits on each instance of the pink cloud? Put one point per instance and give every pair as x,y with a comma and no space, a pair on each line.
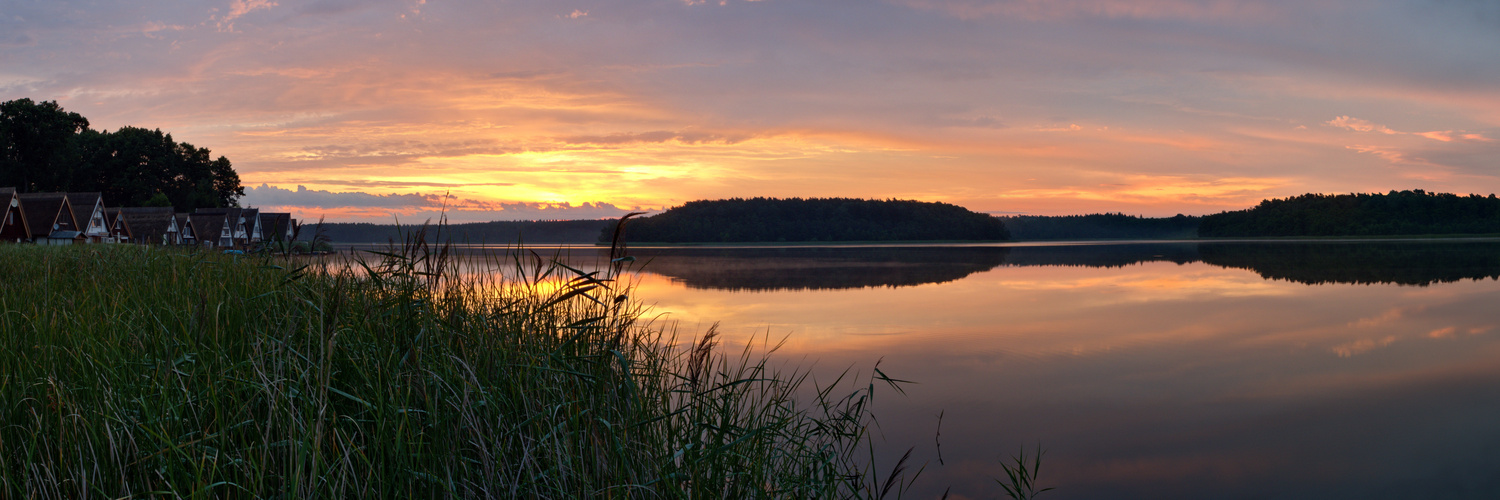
238,9
1127,9
1359,125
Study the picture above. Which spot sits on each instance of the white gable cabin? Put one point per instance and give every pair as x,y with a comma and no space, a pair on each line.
89,208
119,227
151,225
253,234
222,227
50,218
187,234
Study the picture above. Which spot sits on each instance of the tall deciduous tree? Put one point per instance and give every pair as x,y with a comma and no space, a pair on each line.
48,149
38,144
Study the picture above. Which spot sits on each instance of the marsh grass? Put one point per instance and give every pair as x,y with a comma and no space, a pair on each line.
128,372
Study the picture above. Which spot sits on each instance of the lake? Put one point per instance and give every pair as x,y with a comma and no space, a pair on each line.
1145,370
1160,370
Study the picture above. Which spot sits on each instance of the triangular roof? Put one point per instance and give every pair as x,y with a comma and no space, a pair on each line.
276,226
86,206
118,226
48,213
185,227
210,223
148,224
231,223
13,222
252,224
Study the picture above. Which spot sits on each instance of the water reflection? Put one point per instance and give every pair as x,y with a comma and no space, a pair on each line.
1184,370
821,268
831,268
1166,370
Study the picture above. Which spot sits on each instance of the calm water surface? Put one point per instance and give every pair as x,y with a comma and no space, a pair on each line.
1276,370
1328,370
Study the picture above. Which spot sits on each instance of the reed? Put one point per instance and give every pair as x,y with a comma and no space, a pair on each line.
128,372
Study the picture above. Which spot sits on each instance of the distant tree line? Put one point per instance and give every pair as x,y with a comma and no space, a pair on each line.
44,148
742,220
497,232
1393,213
1100,226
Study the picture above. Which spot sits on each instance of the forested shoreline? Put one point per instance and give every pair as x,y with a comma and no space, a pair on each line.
1105,226
1397,213
761,220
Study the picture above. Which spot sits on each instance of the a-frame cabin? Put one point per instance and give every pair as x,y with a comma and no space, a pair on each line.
276,227
251,216
230,232
50,218
151,225
89,207
119,228
186,233
13,228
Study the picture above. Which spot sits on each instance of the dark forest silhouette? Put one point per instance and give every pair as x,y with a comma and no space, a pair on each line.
1394,213
44,148
758,220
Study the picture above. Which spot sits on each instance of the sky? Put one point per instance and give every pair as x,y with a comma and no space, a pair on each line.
382,110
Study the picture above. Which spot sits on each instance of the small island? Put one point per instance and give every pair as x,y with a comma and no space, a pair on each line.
787,220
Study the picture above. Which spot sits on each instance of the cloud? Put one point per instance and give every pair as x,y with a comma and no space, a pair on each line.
366,207
1130,9
1359,125
663,103
238,9
1361,346
309,198
16,40
658,136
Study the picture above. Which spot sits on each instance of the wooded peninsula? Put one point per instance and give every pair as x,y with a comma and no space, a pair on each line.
771,220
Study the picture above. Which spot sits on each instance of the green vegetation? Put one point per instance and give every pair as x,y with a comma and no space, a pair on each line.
1021,475
1106,226
1394,213
128,372
44,148
738,220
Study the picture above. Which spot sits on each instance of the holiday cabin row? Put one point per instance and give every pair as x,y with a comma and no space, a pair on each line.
68,218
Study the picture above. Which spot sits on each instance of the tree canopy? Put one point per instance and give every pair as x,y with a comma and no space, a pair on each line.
812,219
44,148
1394,213
1100,226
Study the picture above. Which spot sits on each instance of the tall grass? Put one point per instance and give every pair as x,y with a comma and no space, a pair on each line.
132,372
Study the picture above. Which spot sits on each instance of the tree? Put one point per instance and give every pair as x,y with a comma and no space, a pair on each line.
37,145
43,148
157,200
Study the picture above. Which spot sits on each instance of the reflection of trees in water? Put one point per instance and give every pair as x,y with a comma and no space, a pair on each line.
1403,263
1105,255
817,268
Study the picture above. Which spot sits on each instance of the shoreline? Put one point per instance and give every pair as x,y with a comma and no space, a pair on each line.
960,243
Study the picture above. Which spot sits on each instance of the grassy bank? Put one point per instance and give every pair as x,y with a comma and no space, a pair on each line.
131,372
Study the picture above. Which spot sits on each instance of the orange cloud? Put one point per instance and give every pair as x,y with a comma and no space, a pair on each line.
1359,125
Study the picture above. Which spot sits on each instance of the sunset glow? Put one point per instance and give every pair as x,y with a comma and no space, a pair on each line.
365,111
